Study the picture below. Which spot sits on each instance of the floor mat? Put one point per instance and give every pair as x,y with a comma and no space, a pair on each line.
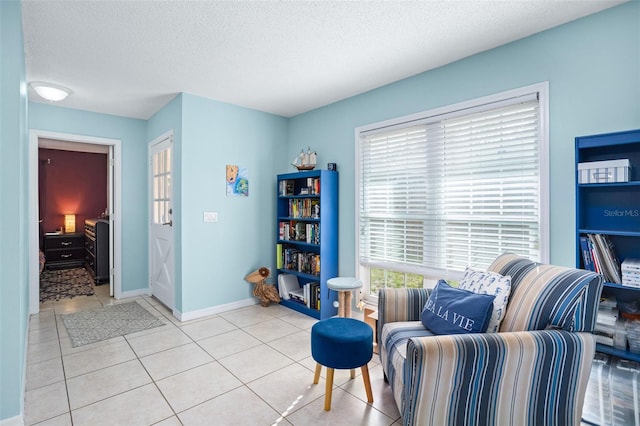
59,284
109,321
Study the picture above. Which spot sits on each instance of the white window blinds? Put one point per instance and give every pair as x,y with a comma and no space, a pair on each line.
453,190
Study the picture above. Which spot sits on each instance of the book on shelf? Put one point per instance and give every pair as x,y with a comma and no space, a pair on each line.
313,186
279,263
286,230
304,208
611,257
296,260
286,187
313,233
299,231
312,295
590,255
599,255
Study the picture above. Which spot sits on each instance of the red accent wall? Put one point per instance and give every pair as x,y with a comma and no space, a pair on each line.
70,183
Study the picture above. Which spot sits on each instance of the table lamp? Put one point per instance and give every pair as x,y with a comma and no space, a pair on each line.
69,223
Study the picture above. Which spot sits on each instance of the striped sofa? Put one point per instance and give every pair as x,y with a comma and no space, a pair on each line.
534,371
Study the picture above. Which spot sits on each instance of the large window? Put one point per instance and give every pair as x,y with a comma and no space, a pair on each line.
452,188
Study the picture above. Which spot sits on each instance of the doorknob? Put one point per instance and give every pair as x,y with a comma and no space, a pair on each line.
170,223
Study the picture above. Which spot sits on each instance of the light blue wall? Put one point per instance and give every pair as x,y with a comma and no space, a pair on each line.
14,275
213,258
207,135
217,256
592,65
132,133
593,69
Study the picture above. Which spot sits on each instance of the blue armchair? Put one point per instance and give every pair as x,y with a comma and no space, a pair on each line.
534,371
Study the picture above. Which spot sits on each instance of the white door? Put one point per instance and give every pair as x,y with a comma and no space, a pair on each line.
161,253
110,214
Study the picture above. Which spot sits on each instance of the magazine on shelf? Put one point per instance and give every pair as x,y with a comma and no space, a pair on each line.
287,283
603,257
585,248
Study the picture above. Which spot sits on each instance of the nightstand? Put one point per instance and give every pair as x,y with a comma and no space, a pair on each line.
64,250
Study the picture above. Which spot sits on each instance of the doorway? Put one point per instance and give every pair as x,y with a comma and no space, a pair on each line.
72,142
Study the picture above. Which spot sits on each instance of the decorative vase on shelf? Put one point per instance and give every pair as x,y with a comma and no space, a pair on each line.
305,160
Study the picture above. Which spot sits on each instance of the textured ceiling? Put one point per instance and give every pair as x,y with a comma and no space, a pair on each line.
130,58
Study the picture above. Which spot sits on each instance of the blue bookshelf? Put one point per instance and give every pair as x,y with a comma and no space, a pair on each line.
307,202
611,209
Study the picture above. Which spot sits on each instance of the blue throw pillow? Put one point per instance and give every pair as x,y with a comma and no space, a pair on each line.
454,311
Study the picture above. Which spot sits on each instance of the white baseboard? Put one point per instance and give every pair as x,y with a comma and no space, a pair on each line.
13,421
135,293
188,316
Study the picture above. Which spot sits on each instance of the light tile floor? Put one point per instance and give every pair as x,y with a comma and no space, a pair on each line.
249,366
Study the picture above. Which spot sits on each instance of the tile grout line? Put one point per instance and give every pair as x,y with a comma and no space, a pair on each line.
179,326
152,381
214,359
137,358
242,382
64,373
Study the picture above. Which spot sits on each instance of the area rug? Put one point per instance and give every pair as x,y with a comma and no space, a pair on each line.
109,321
60,284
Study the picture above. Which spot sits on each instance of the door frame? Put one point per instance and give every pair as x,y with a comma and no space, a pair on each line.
114,217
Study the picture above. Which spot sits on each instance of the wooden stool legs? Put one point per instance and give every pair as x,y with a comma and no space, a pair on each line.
328,389
367,383
344,304
317,375
329,383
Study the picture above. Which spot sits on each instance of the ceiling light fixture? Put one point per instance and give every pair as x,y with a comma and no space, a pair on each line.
49,91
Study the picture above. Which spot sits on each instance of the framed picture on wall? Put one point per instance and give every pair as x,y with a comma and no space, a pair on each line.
237,181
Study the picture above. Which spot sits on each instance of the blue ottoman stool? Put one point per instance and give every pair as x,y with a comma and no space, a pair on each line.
342,343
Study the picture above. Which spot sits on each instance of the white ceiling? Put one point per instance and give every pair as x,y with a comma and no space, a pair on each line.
130,58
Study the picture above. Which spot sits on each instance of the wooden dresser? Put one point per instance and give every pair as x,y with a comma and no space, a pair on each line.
63,250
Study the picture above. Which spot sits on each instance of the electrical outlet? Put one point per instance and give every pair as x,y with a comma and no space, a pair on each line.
210,217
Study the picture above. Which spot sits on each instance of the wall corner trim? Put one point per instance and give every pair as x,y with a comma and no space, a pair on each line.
188,316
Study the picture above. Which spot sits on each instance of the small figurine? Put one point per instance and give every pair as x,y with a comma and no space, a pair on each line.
266,293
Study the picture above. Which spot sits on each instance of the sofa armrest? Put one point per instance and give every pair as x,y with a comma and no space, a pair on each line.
524,378
400,304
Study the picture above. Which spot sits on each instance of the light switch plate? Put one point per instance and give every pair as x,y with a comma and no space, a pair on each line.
210,217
